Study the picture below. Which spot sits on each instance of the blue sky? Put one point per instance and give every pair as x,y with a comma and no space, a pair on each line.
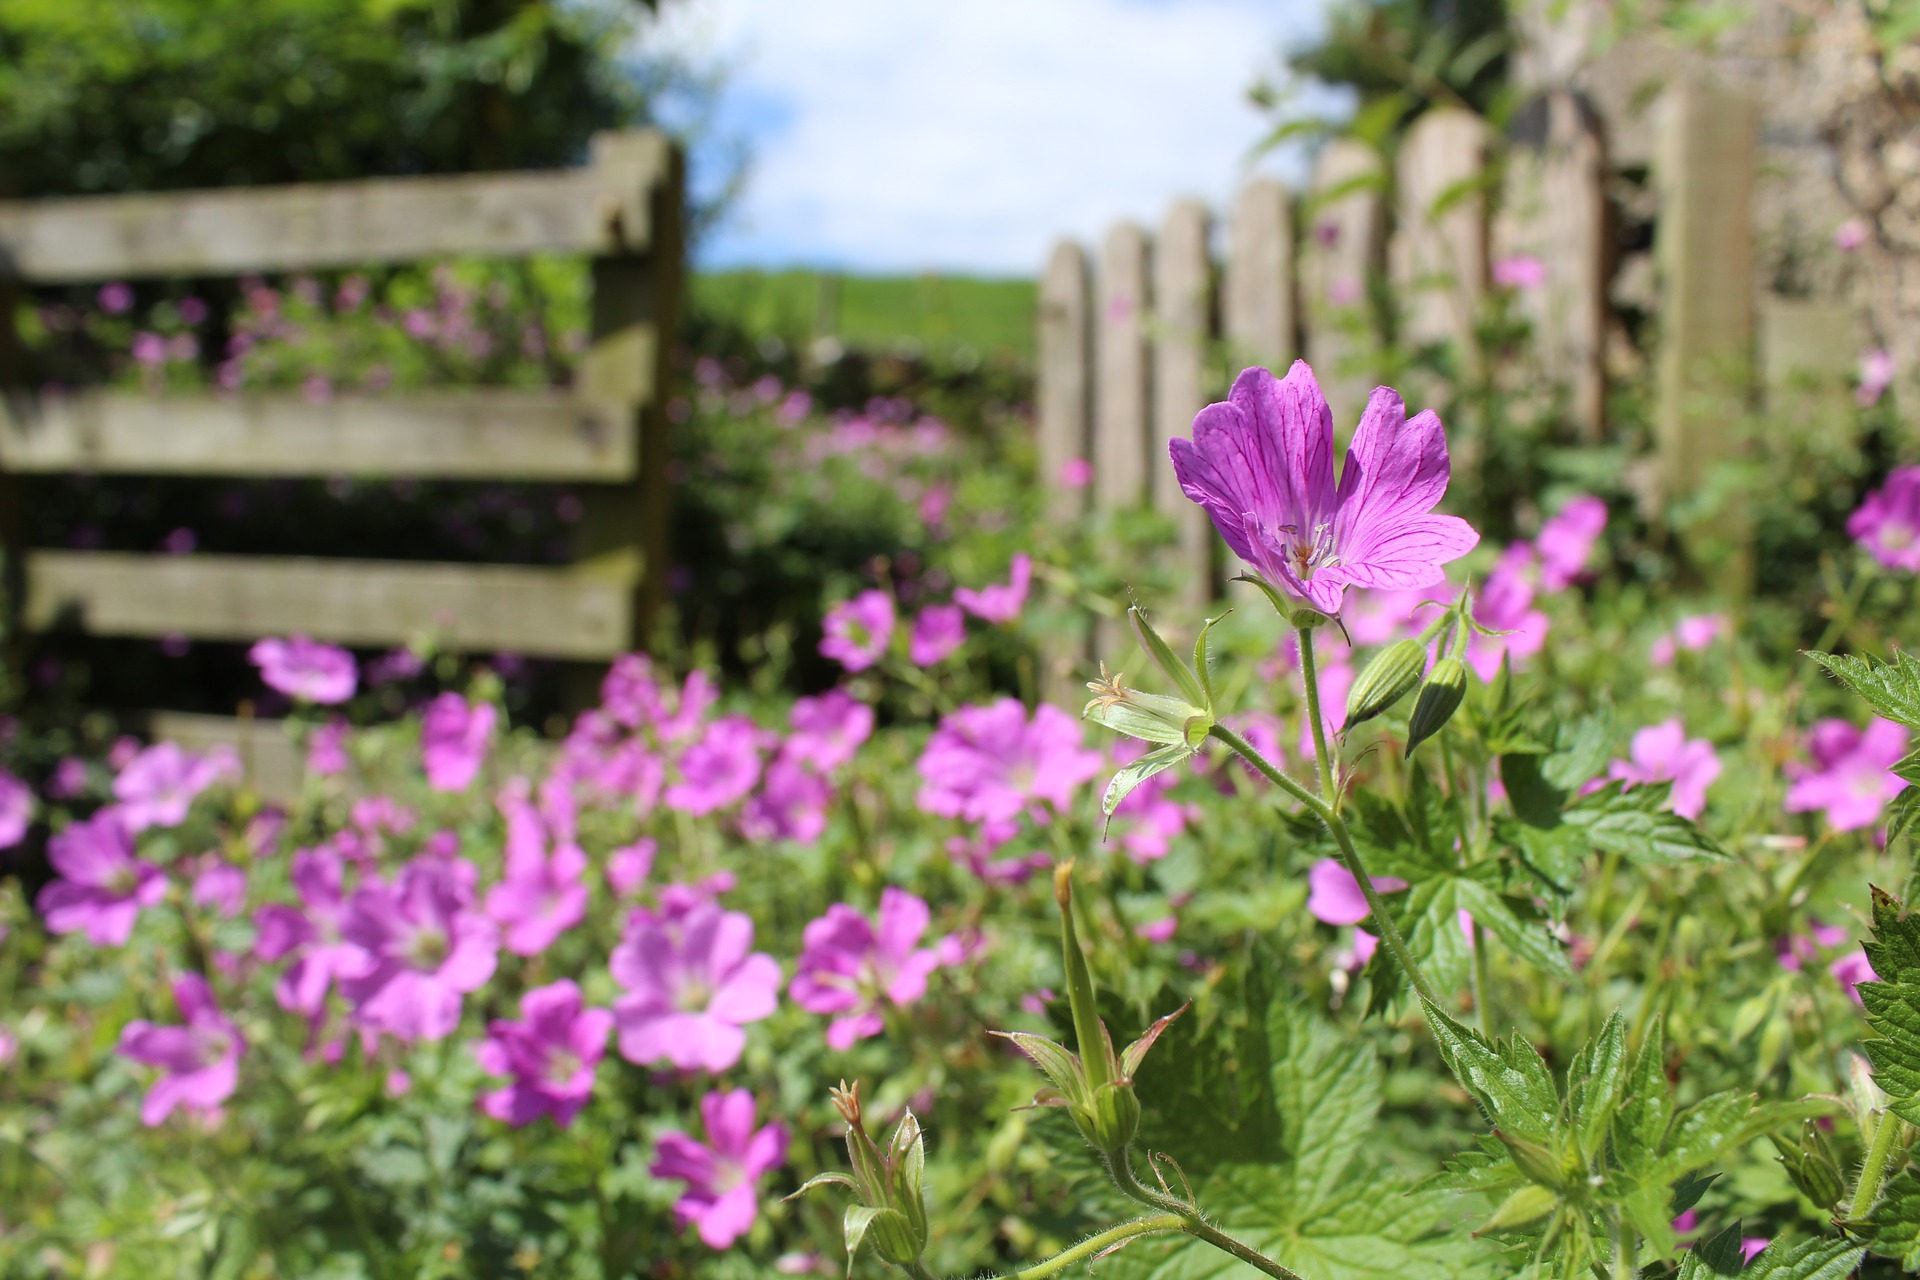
965,135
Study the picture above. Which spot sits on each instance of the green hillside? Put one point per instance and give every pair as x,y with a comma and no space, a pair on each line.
945,315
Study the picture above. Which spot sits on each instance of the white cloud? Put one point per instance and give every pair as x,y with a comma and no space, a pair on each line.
906,135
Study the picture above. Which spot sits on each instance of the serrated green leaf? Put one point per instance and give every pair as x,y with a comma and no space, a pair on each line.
1507,1078
1640,1122
1595,1084
1716,1256
1808,1260
1893,1226
1526,938
1893,1004
1581,750
1891,688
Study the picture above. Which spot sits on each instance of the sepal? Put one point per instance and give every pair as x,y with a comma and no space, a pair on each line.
1440,697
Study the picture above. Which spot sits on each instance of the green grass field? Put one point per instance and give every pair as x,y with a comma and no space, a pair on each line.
944,315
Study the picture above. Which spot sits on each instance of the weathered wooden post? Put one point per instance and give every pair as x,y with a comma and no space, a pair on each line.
1064,392
1064,428
1120,404
1339,255
1703,249
1256,287
1554,218
1439,255
1183,315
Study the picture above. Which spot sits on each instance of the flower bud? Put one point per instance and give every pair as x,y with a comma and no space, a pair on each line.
1811,1165
890,1210
1394,673
1440,697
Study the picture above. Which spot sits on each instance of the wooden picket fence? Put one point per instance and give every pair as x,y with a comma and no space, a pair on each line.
607,433
1124,342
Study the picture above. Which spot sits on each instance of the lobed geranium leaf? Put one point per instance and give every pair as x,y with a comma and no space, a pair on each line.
1634,824
1893,1226
1596,1082
1890,687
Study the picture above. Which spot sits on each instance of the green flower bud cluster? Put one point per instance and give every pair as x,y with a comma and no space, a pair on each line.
1096,1084
1812,1166
889,1214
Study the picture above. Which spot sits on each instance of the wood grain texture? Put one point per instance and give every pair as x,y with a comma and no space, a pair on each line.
1182,329
454,435
604,208
1340,253
1257,284
1439,258
584,612
1120,408
1064,375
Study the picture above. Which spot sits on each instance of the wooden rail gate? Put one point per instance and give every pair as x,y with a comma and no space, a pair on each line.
607,433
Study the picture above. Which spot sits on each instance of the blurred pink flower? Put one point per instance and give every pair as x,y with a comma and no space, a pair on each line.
852,967
454,734
999,601
539,897
938,630
1334,897
1567,539
102,887
1076,473
629,866
305,669
692,983
721,1199
829,728
857,631
1692,633
719,769
1850,235
1850,778
1876,375
327,749
991,764
1852,969
221,886
1887,523
158,786
310,933
423,948
1521,271
1663,753
551,1053
199,1062
115,298
1751,1247
791,803
1505,603
16,806
70,779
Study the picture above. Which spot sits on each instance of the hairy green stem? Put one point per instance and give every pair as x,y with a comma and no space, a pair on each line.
1350,856
1625,1265
1091,1247
1846,608
1481,981
1874,1171
1191,1221
1310,679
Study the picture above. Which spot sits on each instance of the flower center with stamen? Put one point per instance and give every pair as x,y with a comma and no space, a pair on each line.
562,1066
427,948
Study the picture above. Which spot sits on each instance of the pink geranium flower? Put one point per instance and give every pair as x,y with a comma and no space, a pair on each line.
828,729
1852,969
1000,601
1692,633
1851,777
1505,603
305,669
538,897
158,786
102,887
551,1053
1566,541
1876,375
938,630
310,933
16,809
1887,524
718,769
991,764
1334,897
423,948
629,865
1521,271
1663,753
852,967
199,1062
327,749
1261,463
859,630
692,983
721,1199
453,740
791,804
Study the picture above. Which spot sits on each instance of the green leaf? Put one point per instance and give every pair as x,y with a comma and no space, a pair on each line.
1808,1260
1893,1004
1581,750
1717,1255
1135,772
1507,1078
1640,1123
1893,1226
1596,1082
1633,824
1891,688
